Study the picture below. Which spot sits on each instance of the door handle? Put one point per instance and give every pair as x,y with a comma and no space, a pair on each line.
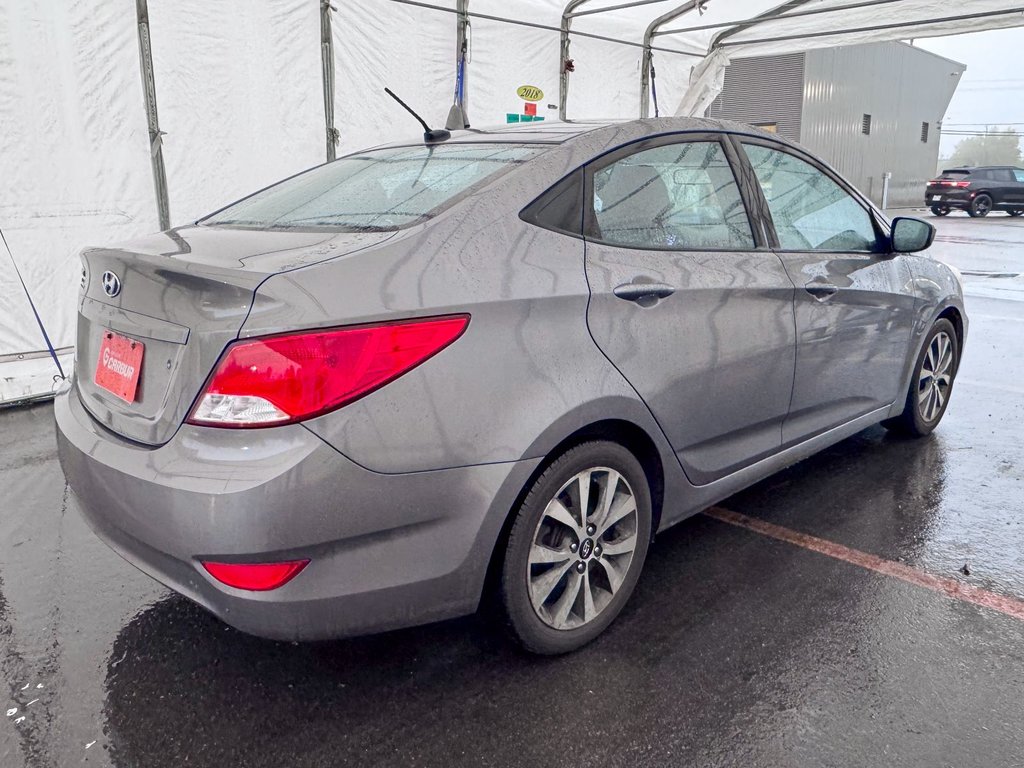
640,291
821,291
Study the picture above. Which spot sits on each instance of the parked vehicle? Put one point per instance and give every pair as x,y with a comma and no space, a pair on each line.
979,191
488,369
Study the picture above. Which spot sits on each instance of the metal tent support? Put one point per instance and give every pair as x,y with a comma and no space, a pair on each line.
646,62
155,134
457,115
563,59
327,66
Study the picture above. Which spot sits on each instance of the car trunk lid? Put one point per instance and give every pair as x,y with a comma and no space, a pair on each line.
183,295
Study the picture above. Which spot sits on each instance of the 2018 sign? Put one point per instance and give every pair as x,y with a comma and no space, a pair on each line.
529,93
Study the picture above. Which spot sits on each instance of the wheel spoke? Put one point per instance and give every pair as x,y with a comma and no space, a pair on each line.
589,609
541,555
584,490
556,511
621,547
614,577
607,496
625,506
542,586
560,610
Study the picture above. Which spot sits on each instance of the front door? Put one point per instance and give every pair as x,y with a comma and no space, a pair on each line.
854,303
687,300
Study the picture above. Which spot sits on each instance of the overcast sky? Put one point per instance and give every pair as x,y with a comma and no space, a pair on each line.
992,89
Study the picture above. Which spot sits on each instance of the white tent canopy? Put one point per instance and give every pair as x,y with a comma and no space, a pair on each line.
244,94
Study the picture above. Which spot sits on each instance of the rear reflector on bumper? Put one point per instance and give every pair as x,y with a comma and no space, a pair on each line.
256,577
283,379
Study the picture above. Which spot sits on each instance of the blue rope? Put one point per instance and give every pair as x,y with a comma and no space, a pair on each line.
39,320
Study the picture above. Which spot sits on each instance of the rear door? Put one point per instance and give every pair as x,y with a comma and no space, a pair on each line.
687,300
854,303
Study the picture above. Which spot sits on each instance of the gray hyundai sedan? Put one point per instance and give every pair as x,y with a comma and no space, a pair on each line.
488,369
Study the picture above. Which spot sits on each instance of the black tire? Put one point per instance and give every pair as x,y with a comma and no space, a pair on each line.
524,622
913,422
1016,213
980,206
941,210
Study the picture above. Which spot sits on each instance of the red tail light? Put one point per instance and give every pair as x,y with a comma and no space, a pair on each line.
948,183
283,379
256,577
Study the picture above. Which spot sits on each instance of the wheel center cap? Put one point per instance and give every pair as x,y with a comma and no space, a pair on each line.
586,548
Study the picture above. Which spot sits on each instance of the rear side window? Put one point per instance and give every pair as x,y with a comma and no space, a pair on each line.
381,190
675,196
1001,174
811,212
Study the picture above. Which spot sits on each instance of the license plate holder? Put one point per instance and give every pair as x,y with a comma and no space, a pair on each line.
119,365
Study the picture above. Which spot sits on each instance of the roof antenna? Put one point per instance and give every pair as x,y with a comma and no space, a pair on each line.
430,135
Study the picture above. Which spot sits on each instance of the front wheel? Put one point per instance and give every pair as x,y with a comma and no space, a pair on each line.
931,384
576,548
941,210
980,206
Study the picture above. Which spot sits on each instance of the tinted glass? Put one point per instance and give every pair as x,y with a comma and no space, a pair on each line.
1001,174
810,211
674,196
381,190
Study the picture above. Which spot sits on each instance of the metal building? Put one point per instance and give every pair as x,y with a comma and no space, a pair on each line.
867,109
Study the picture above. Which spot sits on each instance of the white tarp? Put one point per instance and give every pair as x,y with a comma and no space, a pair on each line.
239,92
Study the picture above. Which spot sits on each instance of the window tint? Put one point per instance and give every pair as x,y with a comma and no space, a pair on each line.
1018,175
1001,174
810,211
386,189
674,196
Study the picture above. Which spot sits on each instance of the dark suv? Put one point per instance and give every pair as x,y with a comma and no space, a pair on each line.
977,191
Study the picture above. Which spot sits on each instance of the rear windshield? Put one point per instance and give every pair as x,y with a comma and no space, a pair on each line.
381,190
954,174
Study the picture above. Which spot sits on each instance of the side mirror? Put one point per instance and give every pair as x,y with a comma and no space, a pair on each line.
911,235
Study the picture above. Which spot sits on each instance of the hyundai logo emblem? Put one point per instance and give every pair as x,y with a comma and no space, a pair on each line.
111,284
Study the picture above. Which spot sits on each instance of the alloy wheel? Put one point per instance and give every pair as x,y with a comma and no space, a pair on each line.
935,377
582,548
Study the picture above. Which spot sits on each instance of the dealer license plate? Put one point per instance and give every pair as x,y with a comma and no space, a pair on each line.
119,365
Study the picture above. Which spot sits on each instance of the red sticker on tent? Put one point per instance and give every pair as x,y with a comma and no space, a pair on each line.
529,108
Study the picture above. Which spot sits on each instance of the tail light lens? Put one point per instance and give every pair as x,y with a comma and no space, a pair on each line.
256,577
948,183
283,379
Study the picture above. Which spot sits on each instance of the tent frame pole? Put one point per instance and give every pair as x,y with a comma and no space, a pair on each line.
156,151
647,56
563,58
327,71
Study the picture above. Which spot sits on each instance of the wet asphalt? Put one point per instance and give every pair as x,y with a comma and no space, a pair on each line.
735,650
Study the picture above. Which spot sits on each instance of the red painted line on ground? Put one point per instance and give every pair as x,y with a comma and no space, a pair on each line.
949,587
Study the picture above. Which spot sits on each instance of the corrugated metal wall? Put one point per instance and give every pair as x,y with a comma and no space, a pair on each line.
820,98
901,87
765,90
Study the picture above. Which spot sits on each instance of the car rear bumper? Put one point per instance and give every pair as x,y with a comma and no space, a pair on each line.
385,550
948,199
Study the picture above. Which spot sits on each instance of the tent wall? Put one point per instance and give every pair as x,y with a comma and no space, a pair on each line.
239,92
74,165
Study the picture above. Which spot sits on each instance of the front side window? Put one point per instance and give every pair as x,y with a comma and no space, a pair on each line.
676,196
380,190
811,212
1018,175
